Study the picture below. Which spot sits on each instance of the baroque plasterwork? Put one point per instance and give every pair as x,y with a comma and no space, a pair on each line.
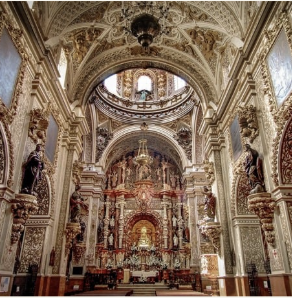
283,113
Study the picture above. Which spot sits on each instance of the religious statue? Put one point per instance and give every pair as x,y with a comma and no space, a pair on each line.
134,248
76,204
112,222
144,239
210,204
175,240
111,239
254,170
33,171
114,179
174,221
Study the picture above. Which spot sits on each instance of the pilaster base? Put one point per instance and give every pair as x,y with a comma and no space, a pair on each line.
281,284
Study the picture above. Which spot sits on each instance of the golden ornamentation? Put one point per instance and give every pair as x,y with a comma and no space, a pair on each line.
247,119
208,167
264,206
38,125
72,230
79,250
184,139
23,205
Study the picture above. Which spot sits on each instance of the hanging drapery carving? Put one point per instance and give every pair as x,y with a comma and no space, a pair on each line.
103,136
184,139
38,125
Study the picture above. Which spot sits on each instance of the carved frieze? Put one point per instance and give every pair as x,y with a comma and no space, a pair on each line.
247,119
286,155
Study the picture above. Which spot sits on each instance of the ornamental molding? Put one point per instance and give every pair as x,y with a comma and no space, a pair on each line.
283,113
8,114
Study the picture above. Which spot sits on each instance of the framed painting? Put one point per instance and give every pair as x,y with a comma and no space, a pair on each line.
10,62
235,138
279,62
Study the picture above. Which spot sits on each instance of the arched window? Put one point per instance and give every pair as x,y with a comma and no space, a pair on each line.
144,83
111,84
178,83
62,67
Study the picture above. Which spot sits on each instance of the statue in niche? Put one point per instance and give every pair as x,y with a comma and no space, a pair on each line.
174,221
144,172
33,171
123,165
158,174
112,222
144,94
254,170
210,204
111,240
114,179
175,240
173,180
144,239
76,204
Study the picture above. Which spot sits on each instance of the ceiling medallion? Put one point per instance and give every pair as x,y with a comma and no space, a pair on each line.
146,26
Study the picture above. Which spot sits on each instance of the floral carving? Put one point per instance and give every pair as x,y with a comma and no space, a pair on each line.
211,230
184,139
263,206
209,171
243,191
76,172
286,155
79,250
72,230
248,122
38,125
22,207
103,137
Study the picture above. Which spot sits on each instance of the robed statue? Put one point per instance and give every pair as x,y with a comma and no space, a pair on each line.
33,171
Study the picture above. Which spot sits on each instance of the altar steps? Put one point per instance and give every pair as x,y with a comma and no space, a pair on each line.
143,289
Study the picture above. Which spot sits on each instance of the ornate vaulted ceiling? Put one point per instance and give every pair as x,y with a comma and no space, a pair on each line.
203,36
200,46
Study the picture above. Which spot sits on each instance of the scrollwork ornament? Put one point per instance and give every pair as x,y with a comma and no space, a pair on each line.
211,230
248,122
72,230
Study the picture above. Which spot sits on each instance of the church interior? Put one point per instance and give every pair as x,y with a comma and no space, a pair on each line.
146,144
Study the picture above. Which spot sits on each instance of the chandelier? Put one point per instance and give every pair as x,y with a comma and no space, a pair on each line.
148,24
143,157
